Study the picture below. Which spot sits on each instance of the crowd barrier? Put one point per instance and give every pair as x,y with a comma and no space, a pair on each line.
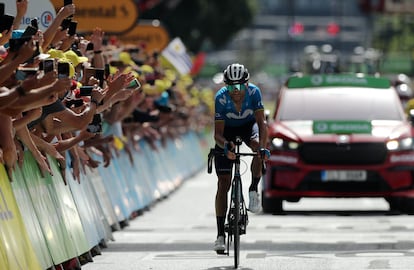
45,224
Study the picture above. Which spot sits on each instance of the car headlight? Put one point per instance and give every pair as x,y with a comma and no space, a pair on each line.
398,145
280,144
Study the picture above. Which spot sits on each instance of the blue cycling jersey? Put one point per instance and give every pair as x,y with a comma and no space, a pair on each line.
226,111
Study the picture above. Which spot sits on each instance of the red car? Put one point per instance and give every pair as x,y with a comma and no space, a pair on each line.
339,136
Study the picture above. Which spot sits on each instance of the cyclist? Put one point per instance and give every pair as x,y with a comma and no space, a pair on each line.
239,111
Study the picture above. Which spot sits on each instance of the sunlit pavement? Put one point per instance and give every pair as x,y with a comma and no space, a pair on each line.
179,231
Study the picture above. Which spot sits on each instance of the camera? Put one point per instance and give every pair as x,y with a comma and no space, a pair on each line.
23,72
63,69
47,65
65,24
16,43
72,28
134,85
100,74
96,125
6,22
74,102
85,91
35,23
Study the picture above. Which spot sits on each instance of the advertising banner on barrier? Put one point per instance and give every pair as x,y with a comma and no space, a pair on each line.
116,192
13,235
83,206
102,196
65,203
124,171
49,214
102,224
34,230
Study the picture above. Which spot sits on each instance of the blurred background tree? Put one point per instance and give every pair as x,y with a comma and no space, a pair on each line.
203,24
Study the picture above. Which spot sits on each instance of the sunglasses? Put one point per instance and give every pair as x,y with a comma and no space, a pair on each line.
238,87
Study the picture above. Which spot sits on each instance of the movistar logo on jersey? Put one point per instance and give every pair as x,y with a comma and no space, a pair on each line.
245,114
342,127
338,80
223,100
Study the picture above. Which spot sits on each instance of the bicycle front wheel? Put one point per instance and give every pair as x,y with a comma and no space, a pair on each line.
236,228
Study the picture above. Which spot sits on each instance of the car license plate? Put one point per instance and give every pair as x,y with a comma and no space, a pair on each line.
336,175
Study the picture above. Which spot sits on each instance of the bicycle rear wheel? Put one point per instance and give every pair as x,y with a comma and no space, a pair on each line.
236,227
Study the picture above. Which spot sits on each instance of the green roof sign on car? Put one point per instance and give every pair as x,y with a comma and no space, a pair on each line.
337,80
342,127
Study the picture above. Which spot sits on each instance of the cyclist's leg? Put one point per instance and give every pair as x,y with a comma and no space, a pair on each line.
256,170
223,167
223,186
251,139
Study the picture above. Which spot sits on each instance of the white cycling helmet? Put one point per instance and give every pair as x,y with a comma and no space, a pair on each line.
236,73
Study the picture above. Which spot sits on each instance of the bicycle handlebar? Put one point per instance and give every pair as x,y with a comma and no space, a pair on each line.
213,152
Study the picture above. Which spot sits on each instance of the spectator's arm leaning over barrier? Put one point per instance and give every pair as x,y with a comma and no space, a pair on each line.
14,59
8,96
71,141
35,98
116,83
49,148
7,143
67,120
101,144
23,135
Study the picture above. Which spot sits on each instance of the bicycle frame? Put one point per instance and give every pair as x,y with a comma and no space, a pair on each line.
237,217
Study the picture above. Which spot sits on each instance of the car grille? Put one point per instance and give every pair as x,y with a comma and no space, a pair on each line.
343,154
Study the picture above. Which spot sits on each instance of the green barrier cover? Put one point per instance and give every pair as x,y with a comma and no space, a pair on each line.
16,251
30,219
46,202
65,202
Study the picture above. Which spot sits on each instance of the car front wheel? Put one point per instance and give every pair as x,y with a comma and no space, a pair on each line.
272,205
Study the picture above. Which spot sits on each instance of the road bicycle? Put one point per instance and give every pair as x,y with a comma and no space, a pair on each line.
237,217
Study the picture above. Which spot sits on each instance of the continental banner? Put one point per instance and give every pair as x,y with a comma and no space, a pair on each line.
152,34
16,251
111,16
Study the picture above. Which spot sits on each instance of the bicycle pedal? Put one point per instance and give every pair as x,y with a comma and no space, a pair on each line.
221,252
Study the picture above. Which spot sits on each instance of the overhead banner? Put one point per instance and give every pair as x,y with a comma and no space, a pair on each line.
152,34
111,16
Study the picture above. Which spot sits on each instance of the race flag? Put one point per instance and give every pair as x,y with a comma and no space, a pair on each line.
177,55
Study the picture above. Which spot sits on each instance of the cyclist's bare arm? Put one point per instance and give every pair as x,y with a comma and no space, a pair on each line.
218,133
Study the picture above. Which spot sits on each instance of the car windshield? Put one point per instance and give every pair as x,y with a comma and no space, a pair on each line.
342,103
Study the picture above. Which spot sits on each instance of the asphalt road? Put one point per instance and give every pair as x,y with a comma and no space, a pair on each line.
322,234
